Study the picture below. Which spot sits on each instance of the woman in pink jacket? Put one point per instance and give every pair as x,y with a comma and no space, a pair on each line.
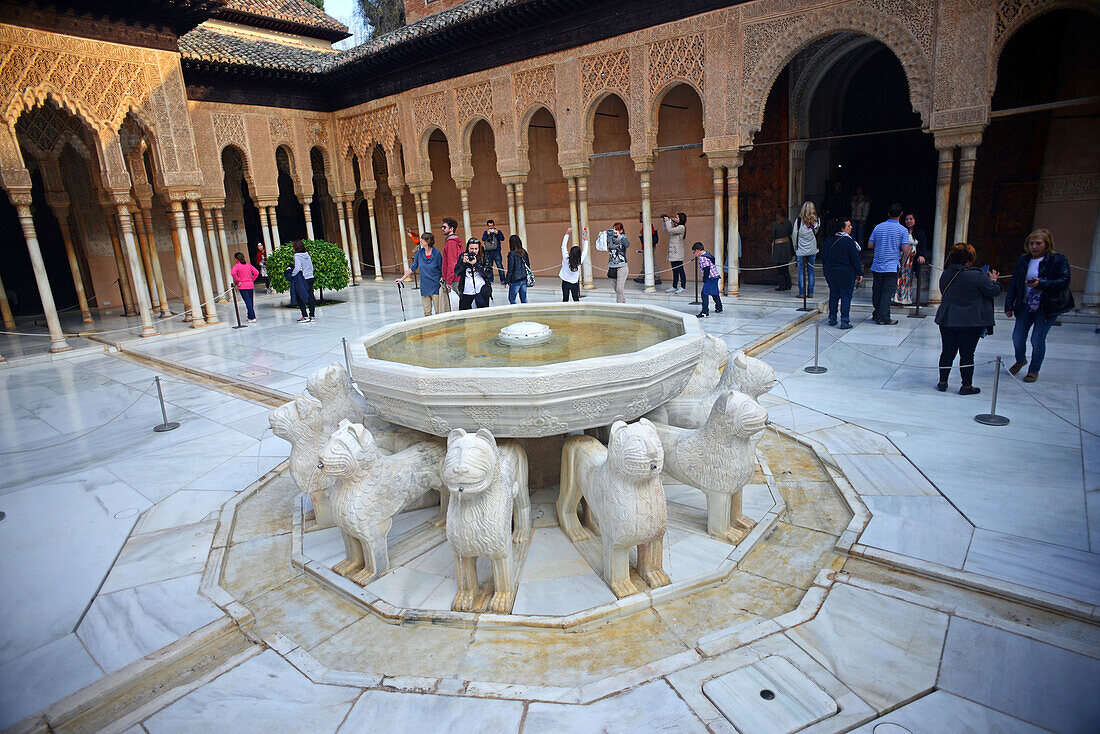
244,275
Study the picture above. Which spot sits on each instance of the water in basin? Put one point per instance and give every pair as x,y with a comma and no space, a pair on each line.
472,342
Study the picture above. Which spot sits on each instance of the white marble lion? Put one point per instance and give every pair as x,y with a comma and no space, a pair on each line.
489,512
719,459
340,400
622,486
748,375
302,424
370,488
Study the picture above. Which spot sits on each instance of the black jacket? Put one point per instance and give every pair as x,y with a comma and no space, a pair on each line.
516,272
1053,282
840,258
967,298
484,268
922,244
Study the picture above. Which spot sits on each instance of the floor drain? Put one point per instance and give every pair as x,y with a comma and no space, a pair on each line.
128,512
253,373
767,695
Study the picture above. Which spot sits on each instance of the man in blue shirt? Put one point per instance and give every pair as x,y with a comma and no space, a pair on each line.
886,241
428,262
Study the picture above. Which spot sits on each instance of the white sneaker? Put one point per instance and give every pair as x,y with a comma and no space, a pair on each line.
680,289
302,319
252,321
670,290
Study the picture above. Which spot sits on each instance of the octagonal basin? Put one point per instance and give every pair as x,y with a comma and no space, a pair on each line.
602,363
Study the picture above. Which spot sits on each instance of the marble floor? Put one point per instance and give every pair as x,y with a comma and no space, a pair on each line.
968,603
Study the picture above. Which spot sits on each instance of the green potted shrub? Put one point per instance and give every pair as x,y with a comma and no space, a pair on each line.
330,267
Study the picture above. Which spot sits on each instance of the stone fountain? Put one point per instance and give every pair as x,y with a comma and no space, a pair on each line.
497,466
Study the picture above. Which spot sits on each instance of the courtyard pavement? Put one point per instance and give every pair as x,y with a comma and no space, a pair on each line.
108,526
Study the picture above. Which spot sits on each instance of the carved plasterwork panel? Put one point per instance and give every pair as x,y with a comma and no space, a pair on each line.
362,131
280,129
676,59
475,100
606,71
1082,187
316,133
101,83
535,85
229,130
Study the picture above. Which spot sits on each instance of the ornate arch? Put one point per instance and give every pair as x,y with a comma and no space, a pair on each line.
246,166
422,146
1012,15
295,179
659,97
792,38
523,141
589,129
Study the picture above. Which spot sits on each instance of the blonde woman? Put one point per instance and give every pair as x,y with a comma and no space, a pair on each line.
804,237
1037,294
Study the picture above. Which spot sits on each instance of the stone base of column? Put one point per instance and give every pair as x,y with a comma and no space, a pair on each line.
166,314
56,347
87,318
378,278
650,289
589,286
148,331
130,312
212,319
223,299
197,323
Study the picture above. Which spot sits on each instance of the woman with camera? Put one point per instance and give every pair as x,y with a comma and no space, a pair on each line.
571,259
965,313
676,234
474,277
1037,294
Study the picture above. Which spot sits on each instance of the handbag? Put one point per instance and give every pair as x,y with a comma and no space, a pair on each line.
612,273
530,275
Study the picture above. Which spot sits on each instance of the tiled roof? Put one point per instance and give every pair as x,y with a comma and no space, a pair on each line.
292,11
206,45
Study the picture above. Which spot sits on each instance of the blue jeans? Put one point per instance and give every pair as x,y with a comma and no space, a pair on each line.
246,296
493,256
807,262
520,287
1025,320
841,292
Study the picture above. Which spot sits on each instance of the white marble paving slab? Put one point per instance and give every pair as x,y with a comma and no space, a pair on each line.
126,625
694,555
43,676
940,711
263,695
324,546
238,473
389,712
558,597
158,556
847,438
58,541
928,528
1065,571
770,696
551,556
1044,685
184,507
884,474
650,707
884,649
405,586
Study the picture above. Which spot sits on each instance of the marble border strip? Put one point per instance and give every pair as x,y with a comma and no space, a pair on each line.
577,621
11,361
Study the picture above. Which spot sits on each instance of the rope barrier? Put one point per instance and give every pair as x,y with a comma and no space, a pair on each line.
1019,382
839,340
70,439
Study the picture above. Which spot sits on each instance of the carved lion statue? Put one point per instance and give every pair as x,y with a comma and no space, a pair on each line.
489,511
748,375
719,459
622,486
340,400
302,424
708,371
370,488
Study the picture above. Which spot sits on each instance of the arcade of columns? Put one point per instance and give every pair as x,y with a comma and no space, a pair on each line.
130,106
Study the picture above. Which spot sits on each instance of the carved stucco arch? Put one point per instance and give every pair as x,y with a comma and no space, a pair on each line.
295,179
856,19
1012,15
148,131
246,167
655,108
423,152
523,142
589,129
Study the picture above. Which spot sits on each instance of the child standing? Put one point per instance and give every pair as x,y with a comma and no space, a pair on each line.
711,275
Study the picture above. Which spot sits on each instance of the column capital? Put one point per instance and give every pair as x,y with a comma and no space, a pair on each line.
462,182
59,202
397,183
265,203
726,159
965,137
643,163
513,177
369,188
214,203
576,170
20,197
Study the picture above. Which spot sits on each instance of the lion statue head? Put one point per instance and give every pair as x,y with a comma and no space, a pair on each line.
749,375
738,412
472,461
634,449
350,449
301,415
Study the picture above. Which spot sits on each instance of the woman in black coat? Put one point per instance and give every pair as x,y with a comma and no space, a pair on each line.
1037,294
965,313
475,276
840,262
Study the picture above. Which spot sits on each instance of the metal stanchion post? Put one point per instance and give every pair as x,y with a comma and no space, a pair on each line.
991,418
696,302
347,357
236,308
402,299
166,425
803,283
916,291
816,369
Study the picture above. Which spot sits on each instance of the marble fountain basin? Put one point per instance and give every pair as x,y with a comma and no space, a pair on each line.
602,363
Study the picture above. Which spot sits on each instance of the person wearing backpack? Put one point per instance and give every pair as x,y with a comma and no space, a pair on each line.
1037,294
711,275
518,267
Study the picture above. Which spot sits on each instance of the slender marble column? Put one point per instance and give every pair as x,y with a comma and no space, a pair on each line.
401,232
195,220
464,195
125,288
967,158
719,191
939,225
586,266
265,230
143,248
374,238
427,209
179,222
154,260
140,291
218,268
219,225
181,274
512,211
353,244
309,219
732,221
62,215
343,230
647,232
521,216
574,219
5,309
274,219
26,221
